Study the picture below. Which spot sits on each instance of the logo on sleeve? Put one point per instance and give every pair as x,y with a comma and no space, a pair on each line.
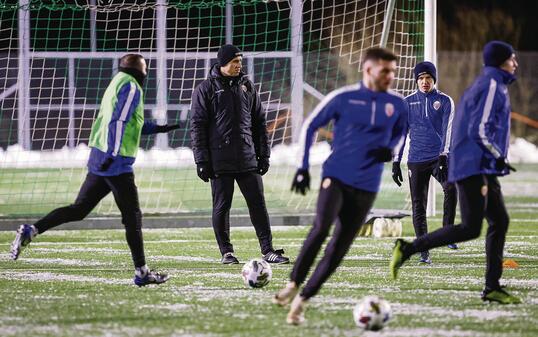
389,109
244,87
436,105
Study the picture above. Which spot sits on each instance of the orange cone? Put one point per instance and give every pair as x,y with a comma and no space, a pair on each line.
509,263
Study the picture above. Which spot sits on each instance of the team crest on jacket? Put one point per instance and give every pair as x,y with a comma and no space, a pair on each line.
244,87
389,109
436,105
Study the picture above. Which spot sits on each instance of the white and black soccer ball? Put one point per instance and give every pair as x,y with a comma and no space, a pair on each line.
256,273
372,313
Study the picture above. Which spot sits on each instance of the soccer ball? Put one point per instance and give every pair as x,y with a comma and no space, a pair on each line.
256,273
372,313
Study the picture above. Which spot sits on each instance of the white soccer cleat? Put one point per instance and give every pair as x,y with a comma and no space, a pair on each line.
297,309
23,237
286,294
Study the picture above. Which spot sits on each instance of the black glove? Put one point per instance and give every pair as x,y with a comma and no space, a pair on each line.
501,163
204,171
105,164
442,166
166,128
301,181
263,165
381,154
397,173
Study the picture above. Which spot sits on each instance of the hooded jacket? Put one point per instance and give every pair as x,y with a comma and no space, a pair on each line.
481,130
228,127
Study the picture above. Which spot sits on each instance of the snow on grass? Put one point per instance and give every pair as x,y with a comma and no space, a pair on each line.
53,277
63,262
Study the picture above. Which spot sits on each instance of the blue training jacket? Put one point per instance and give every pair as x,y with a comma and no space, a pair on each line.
429,124
363,120
481,130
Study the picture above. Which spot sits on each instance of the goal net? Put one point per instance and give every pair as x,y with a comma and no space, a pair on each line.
57,57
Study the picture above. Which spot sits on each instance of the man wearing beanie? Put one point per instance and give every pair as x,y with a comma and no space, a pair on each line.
480,138
230,144
431,113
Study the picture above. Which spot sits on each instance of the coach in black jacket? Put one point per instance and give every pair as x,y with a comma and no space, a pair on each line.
229,142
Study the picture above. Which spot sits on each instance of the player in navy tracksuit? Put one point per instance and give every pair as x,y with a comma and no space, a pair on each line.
369,127
481,135
431,113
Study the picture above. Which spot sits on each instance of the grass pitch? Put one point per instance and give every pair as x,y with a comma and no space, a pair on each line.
79,283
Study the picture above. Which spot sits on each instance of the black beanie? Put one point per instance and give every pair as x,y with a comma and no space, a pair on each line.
496,52
227,53
425,68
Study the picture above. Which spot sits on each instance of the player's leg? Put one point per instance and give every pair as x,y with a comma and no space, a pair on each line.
355,206
126,196
93,189
498,220
450,200
328,206
472,197
251,186
222,190
419,180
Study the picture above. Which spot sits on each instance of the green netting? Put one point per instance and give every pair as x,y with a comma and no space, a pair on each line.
74,47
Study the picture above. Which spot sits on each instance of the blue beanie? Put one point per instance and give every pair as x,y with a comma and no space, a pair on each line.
496,52
425,68
227,53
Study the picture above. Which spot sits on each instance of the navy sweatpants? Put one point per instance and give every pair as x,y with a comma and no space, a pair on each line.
94,189
480,197
336,201
251,186
419,179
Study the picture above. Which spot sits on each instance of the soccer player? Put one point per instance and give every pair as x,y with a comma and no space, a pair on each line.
230,144
114,141
481,135
369,128
431,113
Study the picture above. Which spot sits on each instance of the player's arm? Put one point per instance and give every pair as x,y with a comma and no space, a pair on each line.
128,98
397,143
150,128
448,116
322,114
200,107
399,133
259,127
482,119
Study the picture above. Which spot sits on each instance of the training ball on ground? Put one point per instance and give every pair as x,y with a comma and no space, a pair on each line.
256,273
372,313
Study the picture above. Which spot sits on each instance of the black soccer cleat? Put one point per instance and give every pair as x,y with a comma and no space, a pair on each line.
151,277
276,257
229,258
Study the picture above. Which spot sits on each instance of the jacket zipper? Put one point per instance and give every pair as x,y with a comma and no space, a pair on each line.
372,117
426,107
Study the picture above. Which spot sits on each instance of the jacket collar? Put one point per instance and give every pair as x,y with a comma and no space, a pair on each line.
499,74
215,73
432,92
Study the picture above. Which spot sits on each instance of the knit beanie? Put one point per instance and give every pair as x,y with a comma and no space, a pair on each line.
227,53
425,68
496,52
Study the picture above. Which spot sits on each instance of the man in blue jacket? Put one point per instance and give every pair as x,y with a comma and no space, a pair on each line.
481,135
369,126
431,113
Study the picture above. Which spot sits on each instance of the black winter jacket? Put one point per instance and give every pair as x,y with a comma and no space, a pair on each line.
228,128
